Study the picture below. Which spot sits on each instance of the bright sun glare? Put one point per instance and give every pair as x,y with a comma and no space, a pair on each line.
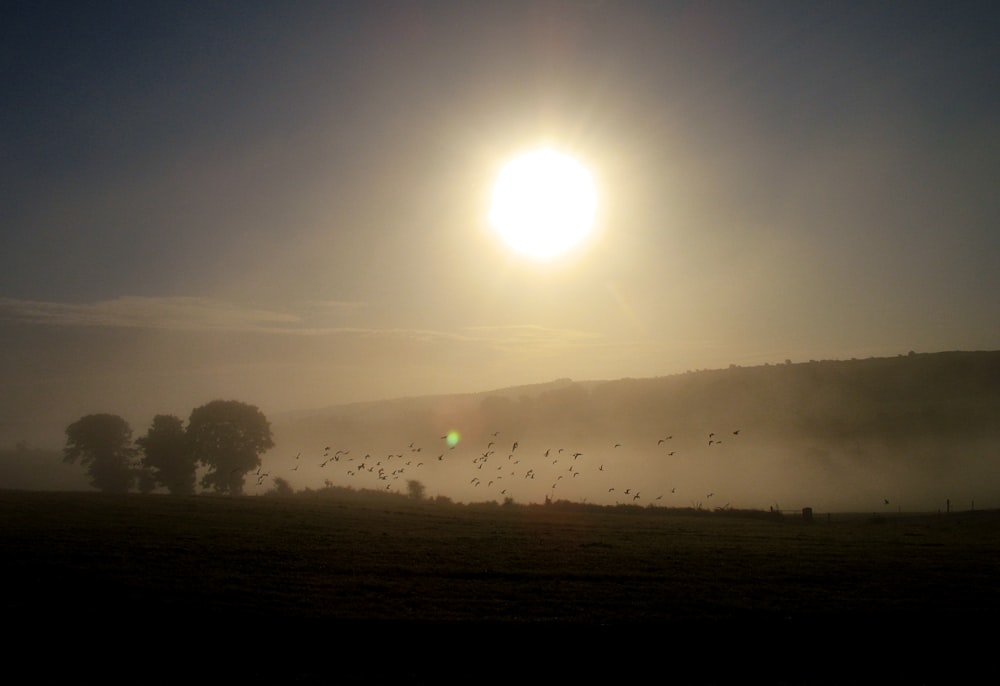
543,203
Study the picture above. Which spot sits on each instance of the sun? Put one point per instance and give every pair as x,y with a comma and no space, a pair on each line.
544,203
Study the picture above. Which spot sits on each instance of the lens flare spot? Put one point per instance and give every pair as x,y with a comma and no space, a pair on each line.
453,438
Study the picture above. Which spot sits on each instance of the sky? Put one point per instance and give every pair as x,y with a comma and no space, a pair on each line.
288,203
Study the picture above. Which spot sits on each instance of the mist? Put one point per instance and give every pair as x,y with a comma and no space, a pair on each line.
911,433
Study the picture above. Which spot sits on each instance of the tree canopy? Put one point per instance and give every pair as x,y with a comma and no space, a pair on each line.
103,444
228,436
168,456
415,489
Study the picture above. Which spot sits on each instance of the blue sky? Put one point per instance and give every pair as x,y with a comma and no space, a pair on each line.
286,203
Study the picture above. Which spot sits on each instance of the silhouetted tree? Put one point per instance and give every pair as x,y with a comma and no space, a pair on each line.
145,480
167,455
415,489
103,444
281,487
228,437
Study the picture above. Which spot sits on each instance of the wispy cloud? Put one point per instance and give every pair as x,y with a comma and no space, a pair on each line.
327,307
174,313
527,333
527,338
207,314
311,319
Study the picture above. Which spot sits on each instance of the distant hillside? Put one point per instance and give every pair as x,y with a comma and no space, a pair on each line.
951,393
917,429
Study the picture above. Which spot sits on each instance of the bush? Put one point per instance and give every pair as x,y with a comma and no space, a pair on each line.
281,487
415,489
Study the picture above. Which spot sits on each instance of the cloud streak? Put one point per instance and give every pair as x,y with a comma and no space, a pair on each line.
209,314
175,313
169,313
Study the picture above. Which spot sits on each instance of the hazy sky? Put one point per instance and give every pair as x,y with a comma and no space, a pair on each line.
287,203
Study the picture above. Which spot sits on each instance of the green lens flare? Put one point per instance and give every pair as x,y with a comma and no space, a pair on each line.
453,437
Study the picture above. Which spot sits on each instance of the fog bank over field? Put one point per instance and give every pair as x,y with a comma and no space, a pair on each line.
916,430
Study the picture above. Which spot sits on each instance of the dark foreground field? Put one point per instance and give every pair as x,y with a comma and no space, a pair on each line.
356,572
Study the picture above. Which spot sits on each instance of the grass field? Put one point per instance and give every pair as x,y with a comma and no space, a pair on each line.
395,564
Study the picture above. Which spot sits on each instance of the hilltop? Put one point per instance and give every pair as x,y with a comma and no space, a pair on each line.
916,430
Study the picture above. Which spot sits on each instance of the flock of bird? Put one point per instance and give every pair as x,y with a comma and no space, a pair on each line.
504,469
